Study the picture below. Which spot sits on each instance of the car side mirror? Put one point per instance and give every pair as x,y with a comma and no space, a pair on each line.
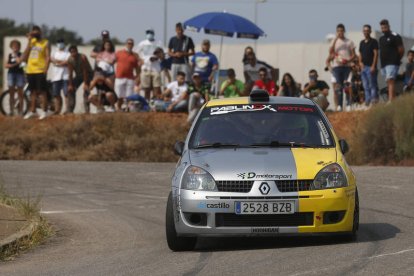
344,146
179,148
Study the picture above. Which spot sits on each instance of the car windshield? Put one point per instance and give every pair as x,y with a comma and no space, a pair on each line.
260,126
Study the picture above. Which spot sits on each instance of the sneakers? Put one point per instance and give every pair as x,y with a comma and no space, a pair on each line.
339,108
29,115
42,114
348,108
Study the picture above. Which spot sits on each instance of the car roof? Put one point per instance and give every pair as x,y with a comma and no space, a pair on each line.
272,100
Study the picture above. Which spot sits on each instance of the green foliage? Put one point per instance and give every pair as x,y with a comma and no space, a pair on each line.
386,134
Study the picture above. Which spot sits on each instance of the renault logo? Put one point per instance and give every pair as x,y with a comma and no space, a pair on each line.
264,188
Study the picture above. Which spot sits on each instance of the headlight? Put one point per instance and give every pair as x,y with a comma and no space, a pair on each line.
196,178
332,176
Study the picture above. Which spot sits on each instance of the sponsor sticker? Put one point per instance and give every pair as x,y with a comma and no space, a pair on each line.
265,230
240,108
221,205
295,108
253,175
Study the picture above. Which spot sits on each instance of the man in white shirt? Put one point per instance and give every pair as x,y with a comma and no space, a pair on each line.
60,75
175,96
147,47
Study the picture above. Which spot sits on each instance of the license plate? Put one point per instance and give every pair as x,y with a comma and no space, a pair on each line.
263,208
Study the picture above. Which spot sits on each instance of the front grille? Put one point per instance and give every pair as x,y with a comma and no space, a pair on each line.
233,220
236,186
285,186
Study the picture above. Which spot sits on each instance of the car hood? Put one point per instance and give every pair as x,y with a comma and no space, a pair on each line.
263,163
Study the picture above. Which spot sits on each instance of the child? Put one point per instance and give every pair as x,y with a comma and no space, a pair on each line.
15,76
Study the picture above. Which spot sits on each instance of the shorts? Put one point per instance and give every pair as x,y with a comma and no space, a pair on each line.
105,101
37,82
390,71
124,87
15,79
58,86
150,79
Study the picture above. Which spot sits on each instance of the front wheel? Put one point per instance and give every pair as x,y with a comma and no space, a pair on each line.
5,107
176,243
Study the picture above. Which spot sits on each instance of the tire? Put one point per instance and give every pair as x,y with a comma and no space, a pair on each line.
174,242
352,236
5,106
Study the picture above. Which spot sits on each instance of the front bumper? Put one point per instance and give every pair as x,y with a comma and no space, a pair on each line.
199,213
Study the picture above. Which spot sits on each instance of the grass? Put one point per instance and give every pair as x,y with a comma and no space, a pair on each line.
28,207
385,135
106,137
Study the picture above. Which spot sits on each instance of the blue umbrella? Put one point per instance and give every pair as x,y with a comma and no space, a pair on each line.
224,24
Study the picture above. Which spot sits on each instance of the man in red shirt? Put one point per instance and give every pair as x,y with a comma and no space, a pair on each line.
265,83
127,62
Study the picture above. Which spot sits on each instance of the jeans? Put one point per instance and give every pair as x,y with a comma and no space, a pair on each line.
370,83
341,74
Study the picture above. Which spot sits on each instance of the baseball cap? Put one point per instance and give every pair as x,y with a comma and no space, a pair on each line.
195,74
105,33
150,31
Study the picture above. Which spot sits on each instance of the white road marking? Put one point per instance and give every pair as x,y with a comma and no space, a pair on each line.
390,254
73,211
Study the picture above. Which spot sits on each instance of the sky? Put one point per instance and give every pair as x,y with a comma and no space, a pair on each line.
282,20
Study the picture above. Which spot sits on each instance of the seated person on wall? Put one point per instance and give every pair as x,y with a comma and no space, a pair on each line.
232,87
317,90
174,99
103,94
289,87
265,82
197,95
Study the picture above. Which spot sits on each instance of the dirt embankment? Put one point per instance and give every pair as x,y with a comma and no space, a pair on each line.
143,137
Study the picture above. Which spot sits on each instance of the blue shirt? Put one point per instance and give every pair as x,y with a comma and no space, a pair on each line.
203,64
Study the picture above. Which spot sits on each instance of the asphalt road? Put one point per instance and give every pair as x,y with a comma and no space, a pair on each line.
109,220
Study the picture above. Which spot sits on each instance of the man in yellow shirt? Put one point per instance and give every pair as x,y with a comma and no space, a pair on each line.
37,54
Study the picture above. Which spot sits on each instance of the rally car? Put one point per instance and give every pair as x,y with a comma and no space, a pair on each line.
259,166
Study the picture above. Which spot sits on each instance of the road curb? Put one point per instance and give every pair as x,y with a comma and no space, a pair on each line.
15,239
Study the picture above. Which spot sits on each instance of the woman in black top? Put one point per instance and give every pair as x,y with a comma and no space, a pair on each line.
15,75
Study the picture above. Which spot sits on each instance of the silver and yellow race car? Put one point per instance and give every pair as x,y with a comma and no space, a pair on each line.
260,165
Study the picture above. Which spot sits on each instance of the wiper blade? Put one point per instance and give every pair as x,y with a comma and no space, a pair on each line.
282,144
217,145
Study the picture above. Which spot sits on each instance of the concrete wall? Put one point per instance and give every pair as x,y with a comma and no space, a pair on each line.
295,58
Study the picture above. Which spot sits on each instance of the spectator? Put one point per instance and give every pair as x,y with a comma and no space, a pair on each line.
147,47
127,62
368,59
251,70
151,74
15,76
265,83
409,71
60,76
232,87
104,94
98,47
165,65
341,52
175,96
205,63
391,53
180,48
197,95
317,90
289,87
37,54
79,64
106,59
247,51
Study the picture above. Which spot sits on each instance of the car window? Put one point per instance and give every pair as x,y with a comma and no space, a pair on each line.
261,125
